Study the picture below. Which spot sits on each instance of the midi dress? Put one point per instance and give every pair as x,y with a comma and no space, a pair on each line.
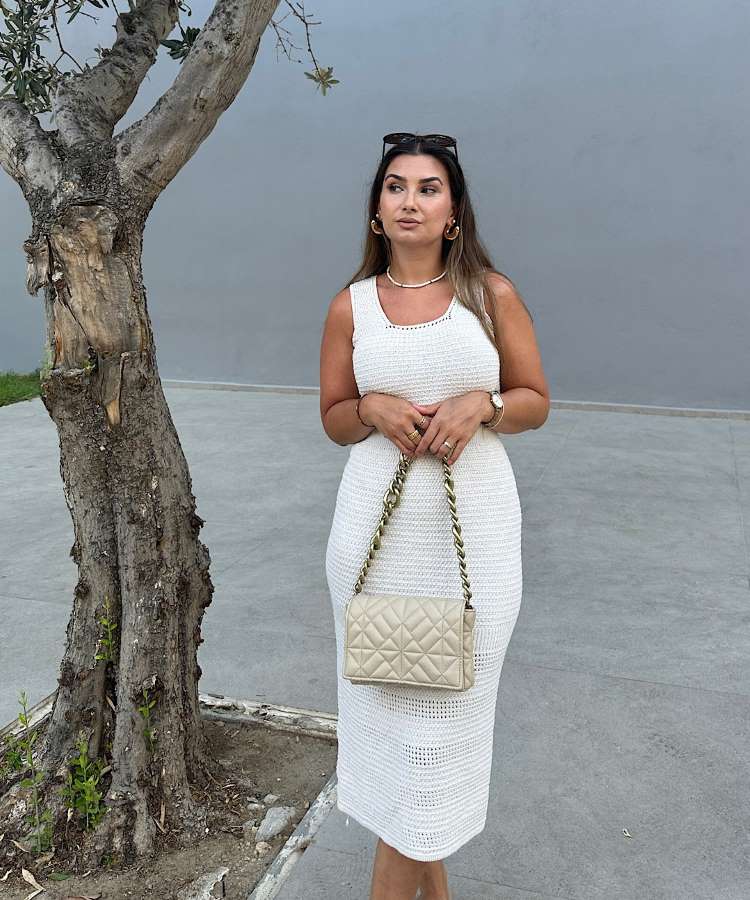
414,762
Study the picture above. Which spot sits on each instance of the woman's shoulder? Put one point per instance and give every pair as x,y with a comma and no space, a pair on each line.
506,296
501,285
340,307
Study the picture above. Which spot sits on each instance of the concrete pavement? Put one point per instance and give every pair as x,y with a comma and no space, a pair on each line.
623,718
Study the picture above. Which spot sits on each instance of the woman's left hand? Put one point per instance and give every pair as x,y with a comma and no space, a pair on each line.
455,420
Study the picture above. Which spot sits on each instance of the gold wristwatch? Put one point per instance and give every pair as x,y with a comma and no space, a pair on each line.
497,402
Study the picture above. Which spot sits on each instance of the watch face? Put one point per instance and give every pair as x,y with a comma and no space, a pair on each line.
497,400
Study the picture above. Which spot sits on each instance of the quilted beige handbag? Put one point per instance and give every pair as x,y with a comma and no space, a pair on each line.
408,640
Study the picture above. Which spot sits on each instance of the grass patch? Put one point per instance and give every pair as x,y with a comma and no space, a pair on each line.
15,386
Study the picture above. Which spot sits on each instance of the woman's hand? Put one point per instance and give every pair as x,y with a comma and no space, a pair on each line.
455,420
395,418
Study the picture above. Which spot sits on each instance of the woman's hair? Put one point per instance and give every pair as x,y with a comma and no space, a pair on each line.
465,259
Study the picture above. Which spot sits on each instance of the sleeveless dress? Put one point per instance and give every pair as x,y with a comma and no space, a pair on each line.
414,763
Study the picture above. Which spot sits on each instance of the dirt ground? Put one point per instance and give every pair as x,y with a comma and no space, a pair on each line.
263,760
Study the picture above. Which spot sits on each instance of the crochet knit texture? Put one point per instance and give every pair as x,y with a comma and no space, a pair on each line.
414,763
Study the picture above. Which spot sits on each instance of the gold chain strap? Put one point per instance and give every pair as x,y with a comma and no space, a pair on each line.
390,502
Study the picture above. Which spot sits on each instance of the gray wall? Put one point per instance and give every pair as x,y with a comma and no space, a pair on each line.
606,148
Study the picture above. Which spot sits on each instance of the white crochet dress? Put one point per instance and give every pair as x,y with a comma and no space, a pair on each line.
414,763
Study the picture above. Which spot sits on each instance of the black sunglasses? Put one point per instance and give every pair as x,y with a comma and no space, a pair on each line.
402,137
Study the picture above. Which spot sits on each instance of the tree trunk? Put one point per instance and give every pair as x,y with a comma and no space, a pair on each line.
142,567
128,488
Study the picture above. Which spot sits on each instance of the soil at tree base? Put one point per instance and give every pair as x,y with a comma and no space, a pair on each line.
262,759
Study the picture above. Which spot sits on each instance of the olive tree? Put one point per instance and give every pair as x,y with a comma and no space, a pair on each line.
142,568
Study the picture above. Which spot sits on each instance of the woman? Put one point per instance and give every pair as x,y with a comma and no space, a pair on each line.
411,360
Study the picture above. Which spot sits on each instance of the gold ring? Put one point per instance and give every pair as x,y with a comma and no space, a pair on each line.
413,434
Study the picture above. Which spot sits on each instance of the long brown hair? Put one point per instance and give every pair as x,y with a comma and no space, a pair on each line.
465,259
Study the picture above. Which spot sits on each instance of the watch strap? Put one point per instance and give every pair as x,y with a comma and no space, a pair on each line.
498,414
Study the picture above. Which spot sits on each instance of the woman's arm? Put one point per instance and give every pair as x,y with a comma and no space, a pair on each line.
338,387
523,385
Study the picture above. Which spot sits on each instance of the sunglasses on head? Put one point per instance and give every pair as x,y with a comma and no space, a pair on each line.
402,137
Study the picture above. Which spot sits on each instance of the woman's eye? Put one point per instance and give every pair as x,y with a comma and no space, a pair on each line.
426,188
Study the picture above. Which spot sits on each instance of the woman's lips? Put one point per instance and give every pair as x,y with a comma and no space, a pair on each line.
408,224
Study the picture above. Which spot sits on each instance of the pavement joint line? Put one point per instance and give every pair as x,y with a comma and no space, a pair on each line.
580,405
584,405
594,674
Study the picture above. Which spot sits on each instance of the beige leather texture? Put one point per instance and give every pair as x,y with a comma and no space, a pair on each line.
397,639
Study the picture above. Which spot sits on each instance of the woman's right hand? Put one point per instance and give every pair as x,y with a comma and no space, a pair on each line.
395,418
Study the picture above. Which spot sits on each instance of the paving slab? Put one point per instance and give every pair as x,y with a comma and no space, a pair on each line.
623,715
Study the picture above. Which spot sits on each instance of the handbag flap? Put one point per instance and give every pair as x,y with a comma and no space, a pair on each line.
424,640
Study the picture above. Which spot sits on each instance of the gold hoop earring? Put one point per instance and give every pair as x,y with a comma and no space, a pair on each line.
373,225
452,237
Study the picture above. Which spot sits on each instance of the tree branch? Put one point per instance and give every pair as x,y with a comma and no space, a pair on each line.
87,105
26,153
154,149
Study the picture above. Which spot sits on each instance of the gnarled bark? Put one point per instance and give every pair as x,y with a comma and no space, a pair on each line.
125,478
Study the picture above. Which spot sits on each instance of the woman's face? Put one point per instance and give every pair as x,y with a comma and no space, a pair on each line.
415,187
